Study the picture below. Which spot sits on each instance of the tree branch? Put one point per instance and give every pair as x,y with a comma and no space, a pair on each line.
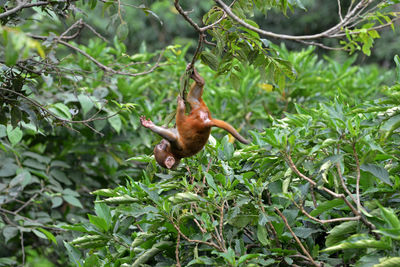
25,4
99,64
352,14
64,121
358,176
343,219
330,192
297,239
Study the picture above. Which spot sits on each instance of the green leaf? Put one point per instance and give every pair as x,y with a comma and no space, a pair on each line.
49,235
122,31
150,253
103,211
115,122
92,4
326,205
235,81
247,257
390,217
229,256
86,103
10,53
391,125
397,61
92,260
304,232
209,59
73,201
262,235
73,253
14,135
9,232
61,111
99,222
185,197
392,233
340,232
210,181
3,131
125,199
378,171
56,202
359,242
88,239
389,262
141,238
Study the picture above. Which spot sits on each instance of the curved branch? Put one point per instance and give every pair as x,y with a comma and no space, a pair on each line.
24,4
305,251
98,63
62,120
293,167
349,18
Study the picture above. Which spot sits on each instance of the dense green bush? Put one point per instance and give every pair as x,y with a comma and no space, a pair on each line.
227,206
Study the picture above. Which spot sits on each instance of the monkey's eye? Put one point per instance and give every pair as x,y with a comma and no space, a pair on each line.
160,146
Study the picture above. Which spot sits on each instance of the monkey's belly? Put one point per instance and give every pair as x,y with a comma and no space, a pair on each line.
193,144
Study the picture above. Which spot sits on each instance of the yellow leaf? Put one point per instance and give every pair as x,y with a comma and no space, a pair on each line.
265,86
231,139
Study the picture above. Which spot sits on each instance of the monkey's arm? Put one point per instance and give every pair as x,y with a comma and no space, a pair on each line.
168,134
227,127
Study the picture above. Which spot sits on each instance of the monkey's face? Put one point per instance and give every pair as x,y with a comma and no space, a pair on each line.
163,155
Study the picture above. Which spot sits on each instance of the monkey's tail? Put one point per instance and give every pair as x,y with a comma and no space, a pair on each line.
227,127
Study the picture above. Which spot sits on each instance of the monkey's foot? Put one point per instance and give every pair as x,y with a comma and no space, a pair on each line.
197,78
181,102
146,123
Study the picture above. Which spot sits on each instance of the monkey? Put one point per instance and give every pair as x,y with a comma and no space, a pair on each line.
191,132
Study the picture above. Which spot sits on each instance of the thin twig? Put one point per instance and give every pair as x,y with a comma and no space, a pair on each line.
178,240
273,230
98,63
30,200
78,24
200,227
313,196
343,219
21,232
211,244
20,217
221,223
340,10
358,176
297,239
185,16
344,184
330,192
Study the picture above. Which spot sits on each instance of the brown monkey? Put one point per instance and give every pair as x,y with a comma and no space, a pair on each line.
191,132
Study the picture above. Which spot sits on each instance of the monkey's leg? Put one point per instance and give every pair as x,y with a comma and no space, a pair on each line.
180,111
196,90
163,132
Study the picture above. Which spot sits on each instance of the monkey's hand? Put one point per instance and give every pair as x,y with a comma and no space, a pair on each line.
189,67
146,123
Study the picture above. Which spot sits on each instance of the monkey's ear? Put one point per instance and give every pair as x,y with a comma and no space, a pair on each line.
169,162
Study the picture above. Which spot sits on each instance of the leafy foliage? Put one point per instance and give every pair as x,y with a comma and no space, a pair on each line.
219,208
69,126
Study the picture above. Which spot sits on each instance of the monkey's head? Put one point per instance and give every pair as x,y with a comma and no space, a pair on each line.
163,155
